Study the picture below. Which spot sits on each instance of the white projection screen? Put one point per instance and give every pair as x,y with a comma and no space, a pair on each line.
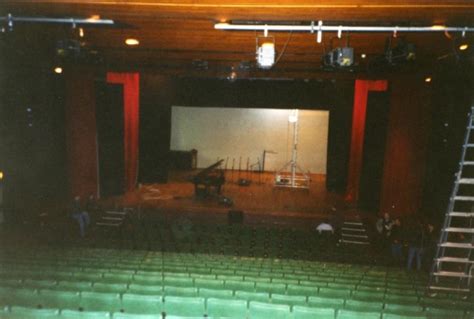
234,133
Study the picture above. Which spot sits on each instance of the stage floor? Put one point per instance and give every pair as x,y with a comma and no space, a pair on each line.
261,197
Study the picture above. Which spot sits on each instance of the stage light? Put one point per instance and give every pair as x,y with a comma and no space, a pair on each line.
428,79
339,57
58,70
363,55
266,55
463,46
132,42
293,117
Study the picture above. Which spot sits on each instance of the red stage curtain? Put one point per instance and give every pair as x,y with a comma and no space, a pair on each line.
362,88
131,94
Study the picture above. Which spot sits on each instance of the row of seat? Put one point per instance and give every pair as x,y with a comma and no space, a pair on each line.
158,301
215,308
193,289
316,275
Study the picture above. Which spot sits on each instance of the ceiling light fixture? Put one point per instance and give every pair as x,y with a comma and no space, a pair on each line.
132,42
363,55
463,46
265,51
81,32
58,70
428,79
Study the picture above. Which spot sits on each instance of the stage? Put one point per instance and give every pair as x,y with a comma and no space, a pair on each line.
260,200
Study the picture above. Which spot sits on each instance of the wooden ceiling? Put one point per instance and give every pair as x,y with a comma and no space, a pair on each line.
178,36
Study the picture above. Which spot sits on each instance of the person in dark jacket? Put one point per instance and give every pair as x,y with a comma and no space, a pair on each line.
396,241
416,242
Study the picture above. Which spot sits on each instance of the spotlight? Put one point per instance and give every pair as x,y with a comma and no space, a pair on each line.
266,55
402,52
1,175
339,57
428,79
132,42
58,70
363,55
463,46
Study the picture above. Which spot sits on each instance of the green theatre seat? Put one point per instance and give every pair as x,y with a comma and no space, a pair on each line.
270,287
239,285
358,305
288,299
252,296
18,297
302,290
74,285
110,288
120,315
98,301
184,306
300,312
405,310
73,314
349,314
226,308
401,299
140,304
261,310
444,313
216,293
336,303
394,316
180,291
145,289
334,292
209,283
31,313
369,295
39,284
147,280
59,299
178,281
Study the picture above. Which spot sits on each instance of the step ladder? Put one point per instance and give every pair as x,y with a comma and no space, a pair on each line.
453,265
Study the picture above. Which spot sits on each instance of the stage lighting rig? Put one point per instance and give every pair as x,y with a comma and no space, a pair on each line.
403,52
339,57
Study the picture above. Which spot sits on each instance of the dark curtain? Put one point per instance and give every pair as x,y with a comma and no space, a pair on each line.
374,150
362,88
110,132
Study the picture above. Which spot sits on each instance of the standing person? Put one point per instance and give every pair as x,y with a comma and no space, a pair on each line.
396,241
430,241
80,215
416,241
384,227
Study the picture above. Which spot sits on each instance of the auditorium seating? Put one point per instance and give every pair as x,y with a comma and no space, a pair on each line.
107,283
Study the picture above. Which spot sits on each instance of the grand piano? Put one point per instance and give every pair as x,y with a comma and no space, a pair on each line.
209,181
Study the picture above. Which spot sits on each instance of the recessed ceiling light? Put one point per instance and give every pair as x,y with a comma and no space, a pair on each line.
463,46
363,55
428,79
132,42
58,70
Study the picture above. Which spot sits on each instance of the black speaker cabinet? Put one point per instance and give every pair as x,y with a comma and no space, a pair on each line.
235,216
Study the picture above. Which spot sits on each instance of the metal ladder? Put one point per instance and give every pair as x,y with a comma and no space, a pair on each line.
453,265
